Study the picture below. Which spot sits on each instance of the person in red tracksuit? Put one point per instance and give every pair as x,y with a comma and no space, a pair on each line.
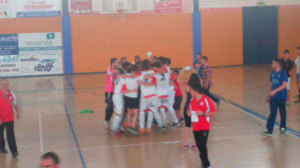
201,109
7,104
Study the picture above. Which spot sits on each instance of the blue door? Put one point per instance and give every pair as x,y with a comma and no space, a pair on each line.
260,26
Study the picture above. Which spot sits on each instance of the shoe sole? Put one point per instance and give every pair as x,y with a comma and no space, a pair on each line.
266,134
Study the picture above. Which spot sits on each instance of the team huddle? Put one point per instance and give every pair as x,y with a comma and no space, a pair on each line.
141,94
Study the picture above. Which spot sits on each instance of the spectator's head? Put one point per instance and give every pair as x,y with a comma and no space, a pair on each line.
277,64
298,50
286,54
145,65
168,61
175,74
50,160
134,68
204,59
127,67
114,63
4,85
194,78
196,89
123,59
162,60
137,59
158,66
199,56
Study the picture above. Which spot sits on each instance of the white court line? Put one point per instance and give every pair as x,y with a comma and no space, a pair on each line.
41,133
258,118
154,143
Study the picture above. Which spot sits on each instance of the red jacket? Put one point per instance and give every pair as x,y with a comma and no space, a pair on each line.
204,105
6,107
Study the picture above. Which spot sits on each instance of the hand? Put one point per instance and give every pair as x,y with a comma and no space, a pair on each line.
139,82
268,99
18,116
189,113
0,122
200,113
273,92
134,91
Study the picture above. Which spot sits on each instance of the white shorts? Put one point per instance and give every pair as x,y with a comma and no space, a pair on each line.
118,103
289,84
148,103
171,97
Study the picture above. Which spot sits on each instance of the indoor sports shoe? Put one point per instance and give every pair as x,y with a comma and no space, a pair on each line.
175,125
15,154
3,151
148,131
195,147
142,131
298,101
133,131
106,124
116,133
266,133
161,130
282,131
186,147
288,103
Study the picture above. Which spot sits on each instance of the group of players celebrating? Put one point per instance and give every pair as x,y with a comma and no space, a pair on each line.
141,93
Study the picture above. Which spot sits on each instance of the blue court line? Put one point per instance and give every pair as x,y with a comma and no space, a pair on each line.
75,137
258,115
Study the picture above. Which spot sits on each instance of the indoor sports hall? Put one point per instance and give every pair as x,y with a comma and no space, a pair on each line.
57,58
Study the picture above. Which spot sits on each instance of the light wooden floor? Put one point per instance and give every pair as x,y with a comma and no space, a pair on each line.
51,122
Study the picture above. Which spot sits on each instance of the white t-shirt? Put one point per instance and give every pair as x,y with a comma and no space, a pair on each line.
131,84
14,97
297,62
163,84
148,90
119,83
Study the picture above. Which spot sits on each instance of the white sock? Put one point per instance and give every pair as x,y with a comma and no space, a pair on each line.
142,119
164,116
150,119
116,123
172,113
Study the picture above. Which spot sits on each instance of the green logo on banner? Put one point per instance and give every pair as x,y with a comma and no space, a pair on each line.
51,36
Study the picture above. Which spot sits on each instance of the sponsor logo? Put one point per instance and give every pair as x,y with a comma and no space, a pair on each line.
46,65
9,59
31,59
50,36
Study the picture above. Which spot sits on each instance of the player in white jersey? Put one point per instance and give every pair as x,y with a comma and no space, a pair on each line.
148,102
163,86
118,102
171,91
131,94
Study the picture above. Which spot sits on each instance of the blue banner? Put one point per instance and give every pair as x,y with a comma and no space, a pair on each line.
38,14
9,44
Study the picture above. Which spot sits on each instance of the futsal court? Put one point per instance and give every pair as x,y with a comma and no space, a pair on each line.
62,58
51,121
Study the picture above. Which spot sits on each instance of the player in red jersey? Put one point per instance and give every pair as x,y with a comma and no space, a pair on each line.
201,110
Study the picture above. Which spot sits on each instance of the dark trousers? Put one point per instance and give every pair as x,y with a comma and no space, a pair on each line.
207,93
201,138
187,119
109,106
274,105
10,135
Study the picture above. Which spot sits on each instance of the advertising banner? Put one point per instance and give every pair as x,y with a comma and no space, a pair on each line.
38,54
38,8
81,6
9,44
168,6
4,8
